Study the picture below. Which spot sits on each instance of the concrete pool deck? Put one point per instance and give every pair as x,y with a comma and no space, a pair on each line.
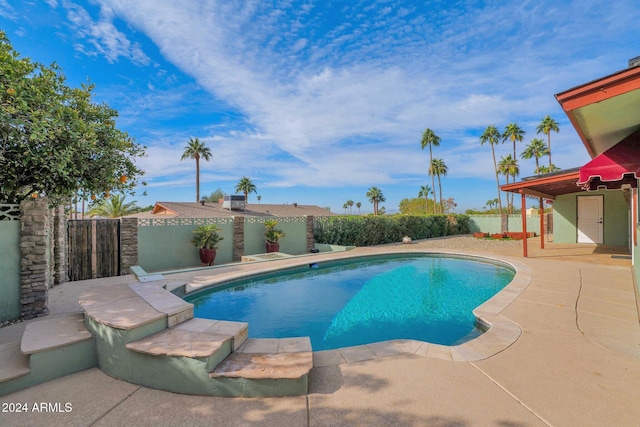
577,362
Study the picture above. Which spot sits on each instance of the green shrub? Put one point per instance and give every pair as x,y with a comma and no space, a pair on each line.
378,230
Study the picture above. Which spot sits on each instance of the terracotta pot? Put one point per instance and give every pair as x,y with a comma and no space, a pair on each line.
273,247
497,236
480,235
207,256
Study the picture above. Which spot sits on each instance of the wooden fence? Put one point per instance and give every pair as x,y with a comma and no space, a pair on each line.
94,248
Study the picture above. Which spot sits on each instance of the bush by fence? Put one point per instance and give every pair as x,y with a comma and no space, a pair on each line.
377,230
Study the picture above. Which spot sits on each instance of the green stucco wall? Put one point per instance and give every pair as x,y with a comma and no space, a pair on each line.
294,242
9,270
491,223
615,215
166,247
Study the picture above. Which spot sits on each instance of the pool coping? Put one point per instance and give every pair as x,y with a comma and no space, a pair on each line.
499,334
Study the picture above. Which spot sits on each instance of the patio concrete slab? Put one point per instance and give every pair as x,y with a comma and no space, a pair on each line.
411,390
587,385
181,410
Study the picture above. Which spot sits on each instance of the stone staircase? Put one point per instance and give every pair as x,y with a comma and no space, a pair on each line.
49,349
143,334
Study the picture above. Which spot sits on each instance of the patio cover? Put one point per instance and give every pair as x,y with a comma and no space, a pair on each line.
618,165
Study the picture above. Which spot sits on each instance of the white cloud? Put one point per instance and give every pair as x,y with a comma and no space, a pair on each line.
348,104
102,36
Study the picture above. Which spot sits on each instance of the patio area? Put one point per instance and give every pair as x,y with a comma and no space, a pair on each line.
577,362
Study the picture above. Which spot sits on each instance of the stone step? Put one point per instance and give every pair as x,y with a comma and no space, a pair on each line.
176,309
268,366
182,343
54,332
263,359
238,330
14,363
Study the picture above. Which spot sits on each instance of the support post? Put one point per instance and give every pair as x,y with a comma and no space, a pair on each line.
541,213
524,225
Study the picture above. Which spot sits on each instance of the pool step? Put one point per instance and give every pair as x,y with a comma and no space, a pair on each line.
14,363
49,349
283,370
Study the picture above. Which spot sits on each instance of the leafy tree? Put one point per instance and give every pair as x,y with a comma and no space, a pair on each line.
196,150
492,136
113,207
546,126
449,205
513,133
536,149
438,168
246,186
375,196
429,139
214,197
508,166
425,190
548,169
54,140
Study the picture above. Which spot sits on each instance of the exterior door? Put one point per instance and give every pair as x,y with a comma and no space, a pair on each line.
590,220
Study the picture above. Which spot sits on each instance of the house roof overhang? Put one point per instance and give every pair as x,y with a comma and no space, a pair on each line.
604,111
547,186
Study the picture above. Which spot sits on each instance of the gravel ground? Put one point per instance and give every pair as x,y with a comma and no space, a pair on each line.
467,242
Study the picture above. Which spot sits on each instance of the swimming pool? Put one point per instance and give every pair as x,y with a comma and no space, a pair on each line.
337,304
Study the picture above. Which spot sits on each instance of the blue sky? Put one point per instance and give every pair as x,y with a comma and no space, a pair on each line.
316,101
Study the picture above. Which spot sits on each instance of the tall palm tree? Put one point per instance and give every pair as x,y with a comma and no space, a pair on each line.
492,136
196,150
489,203
259,198
546,126
513,133
375,196
425,190
429,138
246,186
508,166
350,204
345,206
439,168
358,204
536,149
113,207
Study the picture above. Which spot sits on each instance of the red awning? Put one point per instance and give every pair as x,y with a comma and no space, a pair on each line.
618,165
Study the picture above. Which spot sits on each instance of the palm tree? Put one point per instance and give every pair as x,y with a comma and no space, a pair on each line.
489,203
546,126
246,186
513,133
438,168
196,150
492,136
508,166
375,196
259,198
350,204
113,207
429,138
345,206
425,190
358,204
536,149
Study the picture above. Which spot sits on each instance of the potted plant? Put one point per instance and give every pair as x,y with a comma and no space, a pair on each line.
206,238
273,235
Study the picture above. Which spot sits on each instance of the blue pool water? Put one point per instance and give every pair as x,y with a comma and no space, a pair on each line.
427,298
